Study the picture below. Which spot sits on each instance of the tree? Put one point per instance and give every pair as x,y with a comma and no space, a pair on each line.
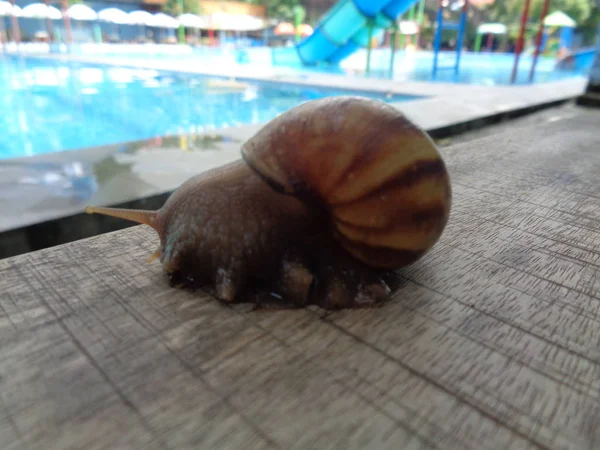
278,9
509,11
589,28
173,7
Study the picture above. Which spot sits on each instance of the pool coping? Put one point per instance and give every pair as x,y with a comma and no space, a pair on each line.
160,168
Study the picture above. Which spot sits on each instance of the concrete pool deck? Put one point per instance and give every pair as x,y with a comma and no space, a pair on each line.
36,208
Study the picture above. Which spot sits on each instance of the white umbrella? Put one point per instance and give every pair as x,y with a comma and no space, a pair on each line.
492,28
140,17
81,12
191,21
6,9
559,19
165,21
249,23
41,11
237,22
114,15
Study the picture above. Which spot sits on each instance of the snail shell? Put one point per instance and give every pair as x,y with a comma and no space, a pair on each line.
325,197
379,176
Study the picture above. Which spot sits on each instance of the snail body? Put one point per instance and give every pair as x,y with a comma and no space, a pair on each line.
326,198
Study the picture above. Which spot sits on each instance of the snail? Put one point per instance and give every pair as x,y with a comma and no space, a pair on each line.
325,199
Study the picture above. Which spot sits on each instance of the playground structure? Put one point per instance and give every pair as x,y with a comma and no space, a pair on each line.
491,30
353,24
450,26
556,20
348,26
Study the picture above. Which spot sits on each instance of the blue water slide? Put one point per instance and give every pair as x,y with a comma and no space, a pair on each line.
345,28
580,60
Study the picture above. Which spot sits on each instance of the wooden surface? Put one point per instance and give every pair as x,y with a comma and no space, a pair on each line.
492,341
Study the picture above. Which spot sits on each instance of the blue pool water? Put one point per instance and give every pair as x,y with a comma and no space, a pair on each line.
489,69
53,106
482,68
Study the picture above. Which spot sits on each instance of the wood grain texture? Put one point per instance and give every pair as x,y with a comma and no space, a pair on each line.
492,341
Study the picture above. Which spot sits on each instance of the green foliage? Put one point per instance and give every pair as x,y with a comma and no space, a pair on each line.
589,28
278,9
173,7
509,11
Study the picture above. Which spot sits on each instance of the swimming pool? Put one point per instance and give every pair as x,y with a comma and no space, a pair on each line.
483,68
488,69
50,106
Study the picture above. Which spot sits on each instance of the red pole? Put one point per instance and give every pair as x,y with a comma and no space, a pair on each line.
490,42
16,31
538,39
519,47
66,20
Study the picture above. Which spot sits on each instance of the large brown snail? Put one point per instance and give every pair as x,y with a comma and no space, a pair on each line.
326,198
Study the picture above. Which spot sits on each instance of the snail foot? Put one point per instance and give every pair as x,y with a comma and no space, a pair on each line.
225,286
352,294
345,283
273,302
179,280
296,282
373,294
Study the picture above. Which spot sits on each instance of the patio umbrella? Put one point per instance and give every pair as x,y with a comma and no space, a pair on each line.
235,22
559,19
305,29
43,12
189,20
81,12
6,9
567,25
248,23
490,29
85,14
284,29
115,16
408,27
193,21
163,20
142,18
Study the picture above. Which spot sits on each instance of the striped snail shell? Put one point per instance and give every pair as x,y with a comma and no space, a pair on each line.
353,189
379,177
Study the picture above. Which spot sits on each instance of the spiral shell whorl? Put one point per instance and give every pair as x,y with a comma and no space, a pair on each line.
380,176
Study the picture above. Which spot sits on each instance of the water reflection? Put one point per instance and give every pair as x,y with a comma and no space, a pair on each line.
51,106
20,181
